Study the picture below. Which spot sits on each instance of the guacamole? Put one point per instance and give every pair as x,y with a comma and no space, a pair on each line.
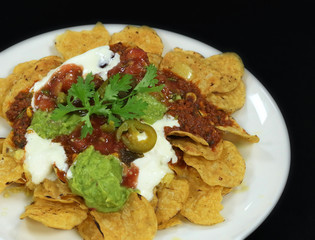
155,110
97,178
49,129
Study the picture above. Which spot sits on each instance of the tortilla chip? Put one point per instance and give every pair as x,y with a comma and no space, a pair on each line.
55,214
28,181
57,191
8,82
10,171
1,144
219,77
155,59
8,146
72,43
195,149
227,171
192,67
9,149
136,220
203,205
89,230
176,220
171,198
236,133
5,85
195,138
143,37
25,75
154,200
229,101
51,189
226,191
231,69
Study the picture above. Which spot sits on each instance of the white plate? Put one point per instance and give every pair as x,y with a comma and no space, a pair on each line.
268,161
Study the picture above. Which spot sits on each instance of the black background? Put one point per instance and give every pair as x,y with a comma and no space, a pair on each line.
276,40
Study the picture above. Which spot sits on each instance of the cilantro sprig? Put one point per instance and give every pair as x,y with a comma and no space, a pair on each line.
109,104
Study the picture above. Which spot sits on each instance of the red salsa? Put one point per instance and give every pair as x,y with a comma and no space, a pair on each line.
130,176
102,141
194,113
17,114
132,61
60,82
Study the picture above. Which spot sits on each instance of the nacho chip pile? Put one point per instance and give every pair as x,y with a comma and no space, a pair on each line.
202,175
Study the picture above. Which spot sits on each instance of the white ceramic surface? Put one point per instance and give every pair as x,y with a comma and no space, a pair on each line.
268,161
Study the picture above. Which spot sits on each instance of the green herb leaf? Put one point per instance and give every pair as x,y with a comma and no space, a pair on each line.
83,90
147,84
134,108
117,84
87,128
62,110
108,103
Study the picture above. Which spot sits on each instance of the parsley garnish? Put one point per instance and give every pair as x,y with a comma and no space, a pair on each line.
110,105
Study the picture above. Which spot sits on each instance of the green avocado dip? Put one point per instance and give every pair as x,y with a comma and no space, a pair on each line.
49,129
97,178
155,110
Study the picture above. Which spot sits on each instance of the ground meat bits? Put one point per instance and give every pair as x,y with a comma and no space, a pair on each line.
18,116
194,113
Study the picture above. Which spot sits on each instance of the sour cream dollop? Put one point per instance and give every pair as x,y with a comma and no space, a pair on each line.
99,61
40,156
154,165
